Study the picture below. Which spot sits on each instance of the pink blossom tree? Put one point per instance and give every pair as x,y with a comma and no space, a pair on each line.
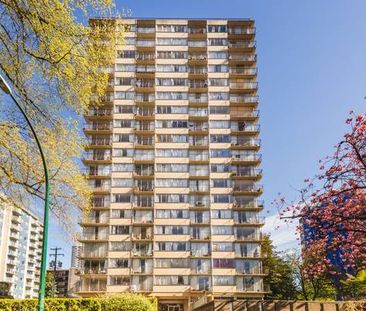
332,208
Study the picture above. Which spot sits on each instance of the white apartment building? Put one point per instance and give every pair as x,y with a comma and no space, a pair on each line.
20,250
173,160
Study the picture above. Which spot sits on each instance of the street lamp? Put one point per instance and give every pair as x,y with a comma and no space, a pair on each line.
6,88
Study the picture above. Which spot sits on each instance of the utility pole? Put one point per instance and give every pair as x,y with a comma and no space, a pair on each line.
56,254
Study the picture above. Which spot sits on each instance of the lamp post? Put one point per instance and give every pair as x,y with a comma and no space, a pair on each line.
6,88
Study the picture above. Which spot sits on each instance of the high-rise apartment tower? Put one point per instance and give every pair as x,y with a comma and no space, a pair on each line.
173,160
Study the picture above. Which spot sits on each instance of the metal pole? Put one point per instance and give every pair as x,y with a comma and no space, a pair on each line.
42,288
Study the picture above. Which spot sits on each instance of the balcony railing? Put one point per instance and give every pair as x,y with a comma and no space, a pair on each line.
248,173
246,128
242,70
250,221
244,99
248,188
98,126
247,113
198,85
97,156
241,57
249,237
199,189
196,30
100,112
202,99
244,85
197,56
100,141
241,31
247,157
242,44
145,56
146,29
145,43
197,43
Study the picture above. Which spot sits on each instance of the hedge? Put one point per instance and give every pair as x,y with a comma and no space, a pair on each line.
123,302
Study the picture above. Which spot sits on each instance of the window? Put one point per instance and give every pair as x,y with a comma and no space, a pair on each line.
221,214
172,55
222,247
121,198
171,183
124,95
217,28
218,96
218,68
218,55
123,138
125,68
169,138
122,167
119,280
172,213
173,246
123,152
220,168
118,263
171,230
220,153
171,68
120,229
218,82
121,213
223,263
221,183
122,182
126,54
171,167
171,124
221,198
172,198
172,280
175,153
172,263
219,109
171,95
122,123
123,109
171,82
171,28
217,42
220,124
171,109
222,230
220,138
223,280
171,41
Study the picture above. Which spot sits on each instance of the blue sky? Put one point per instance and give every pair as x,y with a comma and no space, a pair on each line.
312,68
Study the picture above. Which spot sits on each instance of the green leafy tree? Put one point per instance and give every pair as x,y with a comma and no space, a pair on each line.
55,65
5,290
280,276
51,288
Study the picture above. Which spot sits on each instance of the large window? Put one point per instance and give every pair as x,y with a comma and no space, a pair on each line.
172,213
175,153
172,198
171,109
222,230
120,230
171,230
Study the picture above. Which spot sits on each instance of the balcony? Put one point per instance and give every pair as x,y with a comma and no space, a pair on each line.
244,86
242,128
142,237
145,43
247,59
145,86
256,205
142,221
100,237
250,158
100,127
254,237
244,100
143,190
93,270
198,86
145,99
200,237
250,174
197,59
97,157
243,71
99,142
197,72
145,113
248,189
251,221
144,174
241,45
141,253
199,189
197,45
238,114
89,220
199,205
144,129
200,221
105,113
241,31
198,129
98,173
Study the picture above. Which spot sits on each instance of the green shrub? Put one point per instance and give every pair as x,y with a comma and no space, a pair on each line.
123,302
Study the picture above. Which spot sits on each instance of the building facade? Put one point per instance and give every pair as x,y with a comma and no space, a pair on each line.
75,256
173,160
20,251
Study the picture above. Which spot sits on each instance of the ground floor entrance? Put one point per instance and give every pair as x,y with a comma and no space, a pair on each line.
172,306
